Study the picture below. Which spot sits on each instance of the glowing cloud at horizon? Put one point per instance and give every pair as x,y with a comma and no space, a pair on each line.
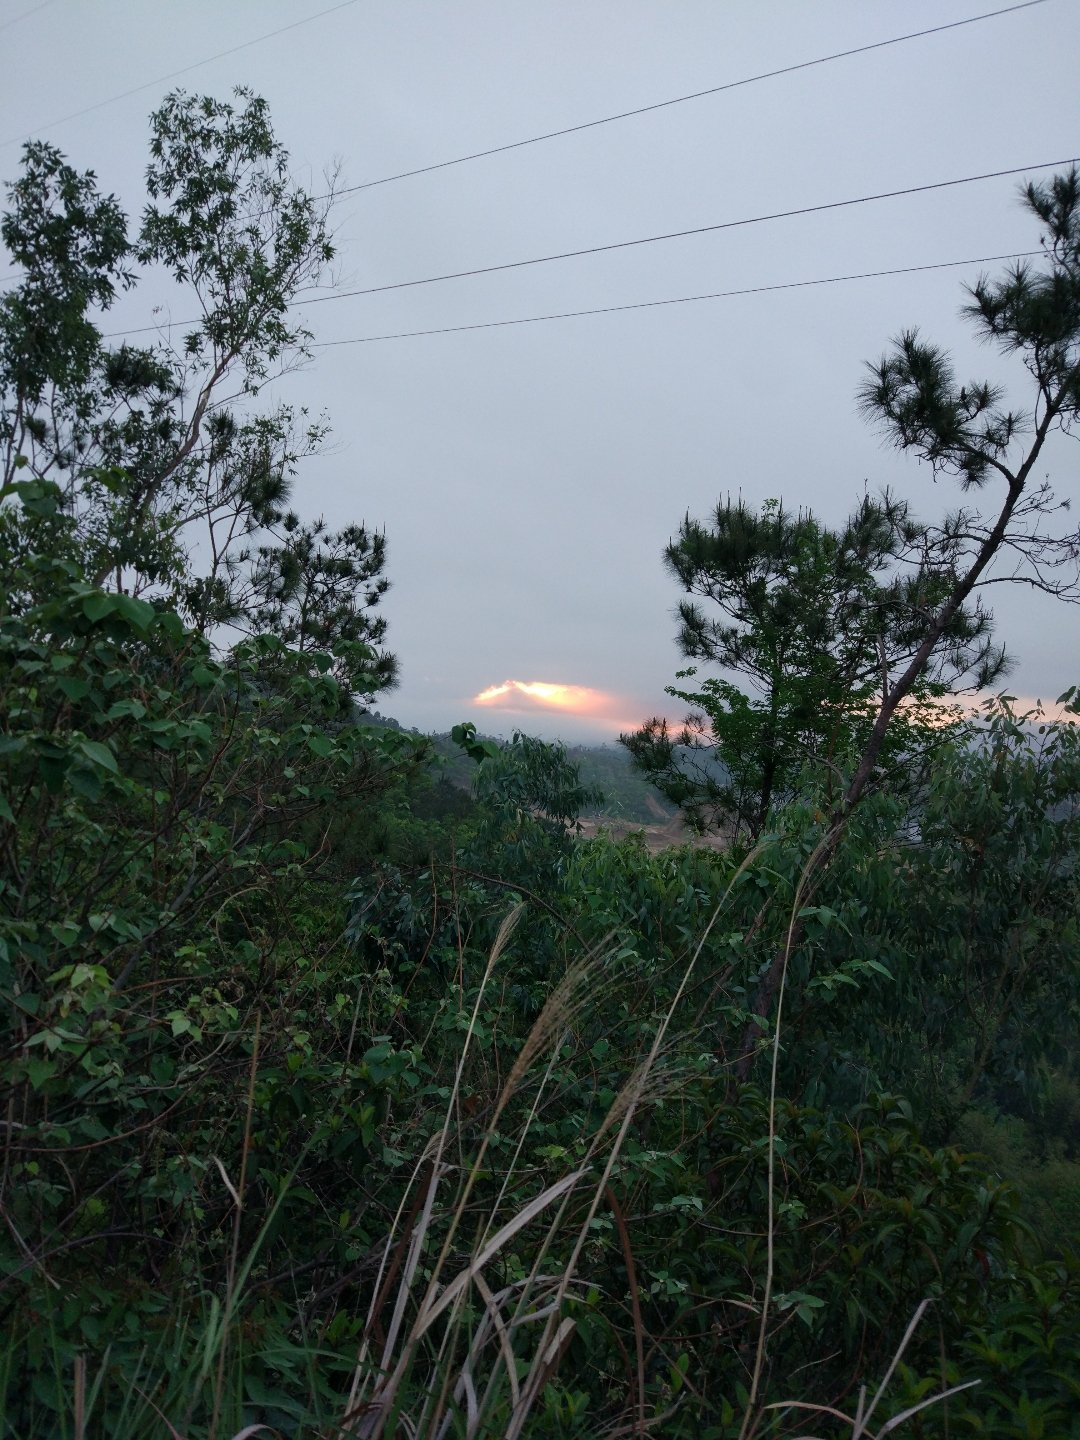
524,696
604,710
541,694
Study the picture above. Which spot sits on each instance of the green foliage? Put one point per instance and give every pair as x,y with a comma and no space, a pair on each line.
1024,1355
224,216
626,796
1029,1156
969,903
837,631
170,900
966,430
314,591
154,947
868,1222
72,243
167,489
812,619
443,912
532,787
353,1062
878,995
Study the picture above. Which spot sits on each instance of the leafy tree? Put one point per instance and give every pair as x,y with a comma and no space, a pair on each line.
813,619
840,631
969,432
315,589
172,486
920,598
532,785
527,796
977,922
170,807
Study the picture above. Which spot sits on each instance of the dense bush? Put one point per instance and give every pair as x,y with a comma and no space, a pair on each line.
225,1066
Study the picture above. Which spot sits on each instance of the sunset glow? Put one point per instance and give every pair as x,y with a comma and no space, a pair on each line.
544,695
582,702
1042,711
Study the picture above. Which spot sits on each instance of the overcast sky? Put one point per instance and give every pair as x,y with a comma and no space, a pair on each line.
529,476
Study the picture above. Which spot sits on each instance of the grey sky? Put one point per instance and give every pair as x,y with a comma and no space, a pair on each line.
528,477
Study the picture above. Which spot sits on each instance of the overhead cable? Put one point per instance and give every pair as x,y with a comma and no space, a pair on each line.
657,304
684,234
26,14
532,139
175,74
678,300
680,99
653,239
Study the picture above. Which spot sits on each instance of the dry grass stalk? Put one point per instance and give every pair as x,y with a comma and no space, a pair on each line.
809,871
625,1105
375,1405
860,1421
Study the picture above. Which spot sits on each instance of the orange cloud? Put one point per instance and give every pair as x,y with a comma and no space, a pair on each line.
531,696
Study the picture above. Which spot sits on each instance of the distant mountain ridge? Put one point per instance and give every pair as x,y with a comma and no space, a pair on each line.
629,799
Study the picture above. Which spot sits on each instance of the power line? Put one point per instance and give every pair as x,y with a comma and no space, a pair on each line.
26,14
654,239
680,99
683,234
679,300
175,74
535,139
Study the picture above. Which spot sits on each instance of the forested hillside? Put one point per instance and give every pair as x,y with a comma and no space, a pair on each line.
350,1089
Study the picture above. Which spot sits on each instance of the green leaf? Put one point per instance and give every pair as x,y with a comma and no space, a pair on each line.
171,624
139,613
85,782
99,754
72,687
39,1069
38,497
97,606
121,708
